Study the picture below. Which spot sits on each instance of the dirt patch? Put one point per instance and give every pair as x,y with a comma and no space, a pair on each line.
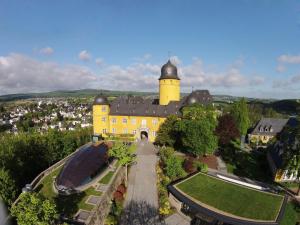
211,161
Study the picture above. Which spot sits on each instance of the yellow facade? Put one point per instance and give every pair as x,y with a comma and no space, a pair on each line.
260,138
169,90
100,119
116,125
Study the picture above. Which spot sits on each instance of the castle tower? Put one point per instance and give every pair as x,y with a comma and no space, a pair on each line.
169,84
101,110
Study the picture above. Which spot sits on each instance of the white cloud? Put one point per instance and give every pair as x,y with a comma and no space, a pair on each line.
84,55
143,58
19,73
290,59
46,51
280,68
290,82
99,61
175,59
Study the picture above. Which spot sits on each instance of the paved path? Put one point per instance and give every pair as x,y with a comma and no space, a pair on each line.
141,204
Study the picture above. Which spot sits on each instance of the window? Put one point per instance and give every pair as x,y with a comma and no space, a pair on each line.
103,119
124,120
104,131
133,121
144,122
134,132
125,131
114,120
114,130
103,108
153,133
154,121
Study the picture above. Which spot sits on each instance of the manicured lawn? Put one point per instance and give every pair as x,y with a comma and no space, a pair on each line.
291,215
231,198
107,177
68,205
45,187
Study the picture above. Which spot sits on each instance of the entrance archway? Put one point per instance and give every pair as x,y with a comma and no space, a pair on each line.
144,135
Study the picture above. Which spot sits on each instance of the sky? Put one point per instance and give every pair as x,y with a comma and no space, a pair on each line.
237,47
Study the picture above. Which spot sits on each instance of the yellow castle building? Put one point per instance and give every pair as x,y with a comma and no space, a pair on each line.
142,116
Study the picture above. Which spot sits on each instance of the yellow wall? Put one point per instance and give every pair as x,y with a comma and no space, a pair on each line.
99,113
120,127
169,90
263,138
117,125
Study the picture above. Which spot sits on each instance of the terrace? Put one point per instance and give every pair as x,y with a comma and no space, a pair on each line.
228,202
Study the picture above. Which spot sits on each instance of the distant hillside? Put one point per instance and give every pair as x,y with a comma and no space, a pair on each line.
75,93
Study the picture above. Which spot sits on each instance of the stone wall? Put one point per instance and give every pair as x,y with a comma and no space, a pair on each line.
102,209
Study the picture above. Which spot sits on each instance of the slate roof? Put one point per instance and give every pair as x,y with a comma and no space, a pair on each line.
82,165
269,126
139,106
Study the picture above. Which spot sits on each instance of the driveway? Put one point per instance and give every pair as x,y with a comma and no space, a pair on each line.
141,204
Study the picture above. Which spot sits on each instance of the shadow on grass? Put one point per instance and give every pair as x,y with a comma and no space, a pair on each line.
68,205
140,213
252,165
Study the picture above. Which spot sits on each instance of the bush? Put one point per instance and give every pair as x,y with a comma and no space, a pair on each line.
166,153
173,168
189,165
202,167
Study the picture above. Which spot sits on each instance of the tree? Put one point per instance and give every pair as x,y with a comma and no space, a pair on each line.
239,111
291,156
166,134
226,129
32,208
120,151
7,187
196,129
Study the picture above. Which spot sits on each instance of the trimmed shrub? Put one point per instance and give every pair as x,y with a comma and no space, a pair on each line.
202,167
121,188
166,153
174,168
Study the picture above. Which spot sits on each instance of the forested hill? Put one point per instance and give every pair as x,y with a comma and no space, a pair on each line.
72,93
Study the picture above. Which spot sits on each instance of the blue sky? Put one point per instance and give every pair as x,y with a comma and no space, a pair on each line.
246,47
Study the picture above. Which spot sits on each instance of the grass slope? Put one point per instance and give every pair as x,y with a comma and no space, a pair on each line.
232,198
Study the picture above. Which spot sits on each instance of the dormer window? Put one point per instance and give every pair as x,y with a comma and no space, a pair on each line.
261,129
271,129
266,129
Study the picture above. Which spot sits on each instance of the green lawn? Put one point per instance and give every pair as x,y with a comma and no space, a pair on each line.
231,198
291,215
107,177
70,204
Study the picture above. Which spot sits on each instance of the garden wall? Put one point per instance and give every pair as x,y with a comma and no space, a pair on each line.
102,209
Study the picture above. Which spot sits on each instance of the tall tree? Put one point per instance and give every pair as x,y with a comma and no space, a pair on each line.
196,129
291,156
239,111
34,209
166,134
7,187
226,129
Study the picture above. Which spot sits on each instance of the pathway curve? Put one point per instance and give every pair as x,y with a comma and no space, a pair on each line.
141,204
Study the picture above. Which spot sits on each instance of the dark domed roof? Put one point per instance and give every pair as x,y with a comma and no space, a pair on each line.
169,71
200,97
100,100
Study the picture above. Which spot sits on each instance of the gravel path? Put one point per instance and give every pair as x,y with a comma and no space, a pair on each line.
141,204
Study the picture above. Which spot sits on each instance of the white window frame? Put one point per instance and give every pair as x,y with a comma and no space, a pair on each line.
103,119
103,108
114,130
133,121
124,120
114,120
